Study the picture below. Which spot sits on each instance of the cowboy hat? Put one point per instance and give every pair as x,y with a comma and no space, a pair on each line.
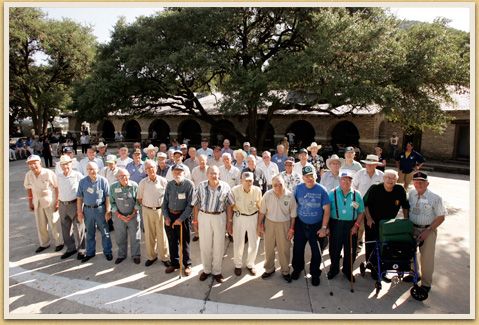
314,145
333,158
150,147
371,160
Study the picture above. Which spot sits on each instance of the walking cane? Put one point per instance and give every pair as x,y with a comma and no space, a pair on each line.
351,255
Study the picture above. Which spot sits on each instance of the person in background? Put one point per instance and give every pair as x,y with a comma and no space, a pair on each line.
349,162
226,148
316,160
382,161
280,157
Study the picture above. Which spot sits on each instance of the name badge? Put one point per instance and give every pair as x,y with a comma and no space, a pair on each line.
127,205
425,201
279,160
140,170
355,205
416,211
287,198
91,190
119,198
117,190
181,196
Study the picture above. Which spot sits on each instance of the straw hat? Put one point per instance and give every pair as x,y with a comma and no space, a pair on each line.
240,151
150,147
314,145
334,158
371,160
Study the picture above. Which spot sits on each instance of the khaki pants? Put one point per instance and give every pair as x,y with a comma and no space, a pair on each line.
275,234
212,241
155,235
426,260
241,225
45,217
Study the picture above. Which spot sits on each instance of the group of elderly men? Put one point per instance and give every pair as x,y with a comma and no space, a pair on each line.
277,198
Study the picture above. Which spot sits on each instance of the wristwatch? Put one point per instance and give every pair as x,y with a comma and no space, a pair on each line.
429,228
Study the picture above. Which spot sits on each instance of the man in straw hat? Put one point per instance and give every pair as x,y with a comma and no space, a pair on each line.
316,160
330,179
42,189
150,151
362,180
75,164
101,154
347,213
239,159
72,230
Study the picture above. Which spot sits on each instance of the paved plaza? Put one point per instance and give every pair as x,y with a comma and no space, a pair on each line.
44,286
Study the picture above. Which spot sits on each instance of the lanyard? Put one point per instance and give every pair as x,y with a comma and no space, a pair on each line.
336,204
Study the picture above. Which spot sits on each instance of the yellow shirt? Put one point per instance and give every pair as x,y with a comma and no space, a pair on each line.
407,154
247,203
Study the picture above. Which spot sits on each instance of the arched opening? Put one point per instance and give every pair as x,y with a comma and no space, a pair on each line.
190,129
132,130
226,135
162,130
304,133
345,133
269,139
383,136
108,130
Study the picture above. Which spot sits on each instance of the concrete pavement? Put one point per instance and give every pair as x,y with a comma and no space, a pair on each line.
44,286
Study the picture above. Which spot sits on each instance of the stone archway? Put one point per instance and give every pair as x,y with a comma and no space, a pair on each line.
162,131
303,131
214,132
132,131
269,139
189,129
345,132
107,128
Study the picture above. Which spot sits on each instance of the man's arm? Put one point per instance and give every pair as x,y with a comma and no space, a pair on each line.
260,227
107,214
57,202
326,215
291,229
80,215
30,199
437,222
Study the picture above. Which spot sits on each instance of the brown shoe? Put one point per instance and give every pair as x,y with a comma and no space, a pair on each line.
196,238
204,276
219,278
237,271
119,260
136,260
252,270
188,270
171,269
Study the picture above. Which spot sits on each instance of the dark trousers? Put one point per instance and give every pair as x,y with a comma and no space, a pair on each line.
173,235
84,148
304,233
372,234
48,160
340,238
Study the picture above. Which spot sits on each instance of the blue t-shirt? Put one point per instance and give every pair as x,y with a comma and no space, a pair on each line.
93,193
279,160
310,202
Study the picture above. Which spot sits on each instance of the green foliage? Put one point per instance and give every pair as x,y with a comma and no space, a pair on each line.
41,90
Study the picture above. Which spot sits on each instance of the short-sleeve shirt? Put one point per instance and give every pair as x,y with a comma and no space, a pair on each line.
299,168
317,162
329,181
210,200
383,204
269,171
122,163
406,164
199,175
344,210
231,176
425,209
137,172
355,166
279,160
214,162
362,181
68,186
124,199
110,175
191,163
291,180
152,192
208,152
93,193
311,202
43,187
86,161
279,209
247,203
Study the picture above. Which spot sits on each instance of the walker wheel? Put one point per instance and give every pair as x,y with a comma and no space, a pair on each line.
418,293
362,269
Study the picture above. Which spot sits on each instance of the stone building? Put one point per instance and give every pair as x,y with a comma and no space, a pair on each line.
366,129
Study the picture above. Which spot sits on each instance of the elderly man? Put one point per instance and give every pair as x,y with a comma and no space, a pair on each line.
226,148
259,178
229,173
280,157
347,213
42,190
349,162
136,168
248,201
37,146
240,159
93,206
137,145
408,162
278,210
178,159
75,164
254,152
246,147
171,160
110,172
316,160
176,208
303,161
204,150
72,229
163,148
216,160
213,203
198,174
427,214
175,145
101,147
150,151
291,178
184,151
91,157
124,204
382,201
163,168
330,179
151,191
123,160
362,181
269,168
192,161
313,218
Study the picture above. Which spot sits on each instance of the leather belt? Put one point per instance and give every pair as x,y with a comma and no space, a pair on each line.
175,212
215,213
418,226
249,215
68,202
155,208
94,206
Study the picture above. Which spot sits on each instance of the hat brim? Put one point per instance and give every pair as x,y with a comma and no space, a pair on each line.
148,149
318,146
367,162
341,160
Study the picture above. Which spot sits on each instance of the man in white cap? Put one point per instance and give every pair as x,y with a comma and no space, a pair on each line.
239,159
163,167
72,230
101,147
269,168
347,213
110,172
330,179
362,181
204,150
316,160
291,178
349,162
245,221
42,189
303,161
280,157
192,161
184,151
91,157
150,151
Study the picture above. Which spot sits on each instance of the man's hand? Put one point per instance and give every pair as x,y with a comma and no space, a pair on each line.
31,206
354,230
168,221
260,230
422,236
229,228
107,216
290,235
57,203
177,222
370,222
195,225
322,232
80,218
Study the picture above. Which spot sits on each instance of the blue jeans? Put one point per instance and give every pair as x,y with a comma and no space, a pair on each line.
392,151
92,217
304,233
